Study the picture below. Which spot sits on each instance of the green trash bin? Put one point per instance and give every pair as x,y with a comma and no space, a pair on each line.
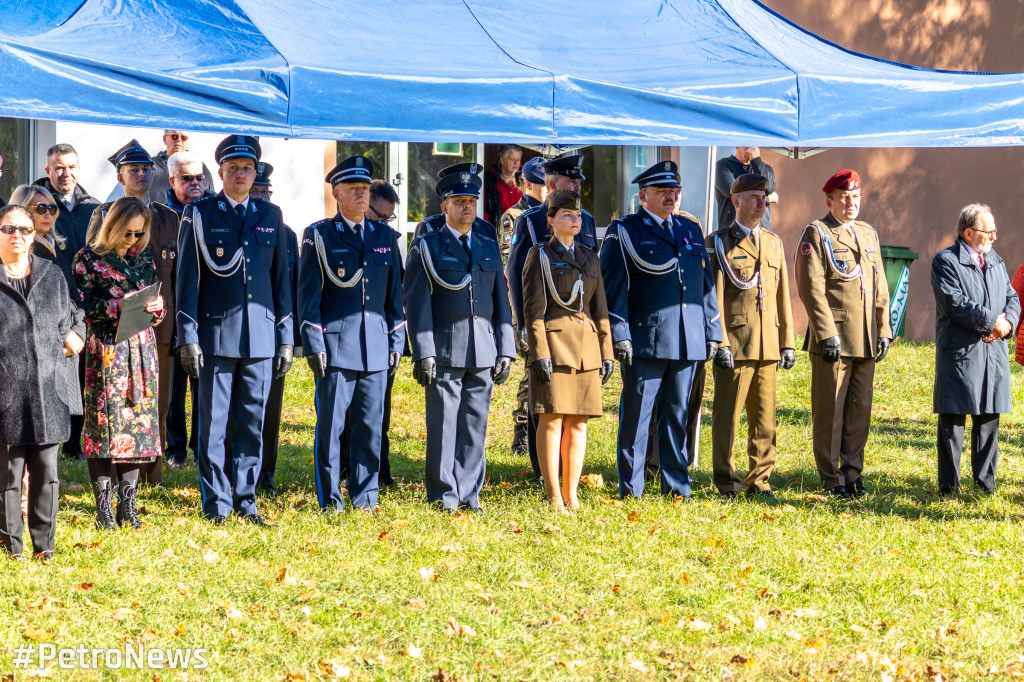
897,260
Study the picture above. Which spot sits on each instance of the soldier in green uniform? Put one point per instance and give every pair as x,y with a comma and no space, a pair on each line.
841,284
757,336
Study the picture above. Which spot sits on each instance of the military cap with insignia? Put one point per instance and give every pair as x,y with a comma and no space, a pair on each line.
263,171
464,184
563,198
570,166
661,174
352,169
130,153
747,182
238,147
533,170
474,168
845,179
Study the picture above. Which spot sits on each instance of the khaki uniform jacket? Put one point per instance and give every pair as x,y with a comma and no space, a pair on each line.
837,307
749,332
580,338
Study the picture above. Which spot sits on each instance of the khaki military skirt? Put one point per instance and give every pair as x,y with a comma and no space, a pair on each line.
571,391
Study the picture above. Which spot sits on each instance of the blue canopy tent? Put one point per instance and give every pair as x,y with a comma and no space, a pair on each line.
669,72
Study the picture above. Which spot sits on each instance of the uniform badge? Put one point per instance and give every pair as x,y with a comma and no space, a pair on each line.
466,178
805,248
222,206
240,139
341,272
220,252
359,161
507,238
260,167
668,165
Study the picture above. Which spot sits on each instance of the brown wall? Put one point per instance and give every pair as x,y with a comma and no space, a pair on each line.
912,197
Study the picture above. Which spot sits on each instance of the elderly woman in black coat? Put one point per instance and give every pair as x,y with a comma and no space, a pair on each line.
37,322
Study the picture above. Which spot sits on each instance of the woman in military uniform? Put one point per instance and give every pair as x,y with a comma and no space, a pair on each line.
570,343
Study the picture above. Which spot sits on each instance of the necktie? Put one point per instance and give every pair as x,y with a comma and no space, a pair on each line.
465,244
240,210
358,229
667,226
755,237
981,262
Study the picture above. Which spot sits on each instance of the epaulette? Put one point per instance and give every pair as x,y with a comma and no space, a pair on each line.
690,217
531,210
325,221
201,200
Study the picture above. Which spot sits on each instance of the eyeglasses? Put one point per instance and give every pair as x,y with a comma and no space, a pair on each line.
138,235
43,209
991,232
175,137
192,178
11,229
382,218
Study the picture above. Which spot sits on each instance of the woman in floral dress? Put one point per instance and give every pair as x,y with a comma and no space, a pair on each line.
121,421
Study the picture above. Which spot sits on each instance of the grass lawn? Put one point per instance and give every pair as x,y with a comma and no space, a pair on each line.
899,585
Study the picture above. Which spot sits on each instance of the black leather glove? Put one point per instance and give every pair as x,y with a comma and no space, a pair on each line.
394,357
522,347
724,359
831,349
317,364
788,358
881,348
191,359
623,352
607,367
501,369
542,370
424,371
283,360
712,349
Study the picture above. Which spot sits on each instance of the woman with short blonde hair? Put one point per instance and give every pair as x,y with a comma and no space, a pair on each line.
122,424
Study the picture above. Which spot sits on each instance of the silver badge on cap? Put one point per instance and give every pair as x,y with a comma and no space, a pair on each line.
260,167
240,139
668,165
359,161
466,178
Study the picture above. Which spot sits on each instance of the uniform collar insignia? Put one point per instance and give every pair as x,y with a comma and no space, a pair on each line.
222,205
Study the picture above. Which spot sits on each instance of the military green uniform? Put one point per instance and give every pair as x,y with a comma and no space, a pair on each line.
842,285
757,323
521,413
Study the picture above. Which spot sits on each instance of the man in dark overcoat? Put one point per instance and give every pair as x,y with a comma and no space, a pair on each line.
976,309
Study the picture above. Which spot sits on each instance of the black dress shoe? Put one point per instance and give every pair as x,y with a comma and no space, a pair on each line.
857,488
44,556
254,519
217,520
176,462
766,496
839,492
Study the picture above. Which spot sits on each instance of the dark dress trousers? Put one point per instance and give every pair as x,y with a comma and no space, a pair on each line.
669,312
350,307
458,313
275,400
235,300
39,386
972,377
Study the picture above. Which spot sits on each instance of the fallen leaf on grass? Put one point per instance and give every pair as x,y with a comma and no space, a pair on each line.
807,613
760,623
571,665
816,644
612,501
486,597
31,632
592,480
616,589
521,584
178,630
858,629
86,545
83,587
429,574
684,579
283,577
183,590
417,603
550,529
210,557
633,516
694,624
454,627
333,668
398,523
383,536
514,528
312,548
122,614
412,651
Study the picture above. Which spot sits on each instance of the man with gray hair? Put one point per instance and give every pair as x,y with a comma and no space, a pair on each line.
976,309
176,142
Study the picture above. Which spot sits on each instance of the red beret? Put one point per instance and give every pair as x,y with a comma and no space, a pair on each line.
844,179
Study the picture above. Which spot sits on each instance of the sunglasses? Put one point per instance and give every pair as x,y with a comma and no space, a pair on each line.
43,209
138,235
192,178
11,229
175,137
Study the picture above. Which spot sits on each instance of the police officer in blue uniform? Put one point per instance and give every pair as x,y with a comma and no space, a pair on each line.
531,228
261,189
461,331
234,325
353,330
663,309
436,222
